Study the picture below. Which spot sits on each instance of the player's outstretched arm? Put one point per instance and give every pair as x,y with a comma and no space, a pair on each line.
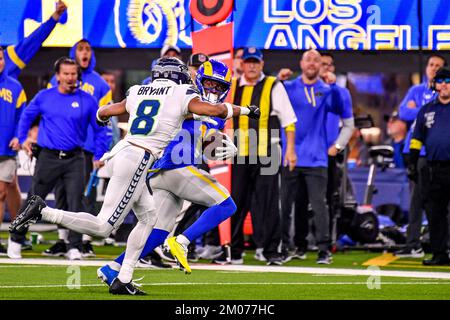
223,110
114,109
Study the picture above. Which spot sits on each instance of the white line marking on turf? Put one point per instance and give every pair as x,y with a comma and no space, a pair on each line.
247,268
232,284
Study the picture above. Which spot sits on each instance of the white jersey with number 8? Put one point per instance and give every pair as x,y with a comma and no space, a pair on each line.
157,112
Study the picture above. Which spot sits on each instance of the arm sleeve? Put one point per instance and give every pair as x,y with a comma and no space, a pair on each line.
101,137
27,117
24,51
405,113
20,105
346,131
281,105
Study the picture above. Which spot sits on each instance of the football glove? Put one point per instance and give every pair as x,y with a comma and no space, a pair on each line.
255,112
228,151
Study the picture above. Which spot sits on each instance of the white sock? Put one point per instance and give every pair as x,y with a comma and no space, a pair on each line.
126,271
135,243
63,234
52,215
114,265
87,237
183,240
81,222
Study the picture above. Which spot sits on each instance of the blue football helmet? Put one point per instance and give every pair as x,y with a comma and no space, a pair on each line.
213,80
173,69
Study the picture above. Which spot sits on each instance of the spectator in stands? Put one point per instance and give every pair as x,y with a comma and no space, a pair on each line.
110,79
194,62
237,62
12,103
166,51
415,98
170,51
358,155
66,113
312,99
396,131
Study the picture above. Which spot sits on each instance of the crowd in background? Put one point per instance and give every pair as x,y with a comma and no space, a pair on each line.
312,112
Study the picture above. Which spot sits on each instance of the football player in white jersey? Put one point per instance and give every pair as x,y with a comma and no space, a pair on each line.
176,177
156,115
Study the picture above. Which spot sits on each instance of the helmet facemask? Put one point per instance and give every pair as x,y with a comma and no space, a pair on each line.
214,91
213,80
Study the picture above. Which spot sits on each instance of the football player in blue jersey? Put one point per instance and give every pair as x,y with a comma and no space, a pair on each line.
175,177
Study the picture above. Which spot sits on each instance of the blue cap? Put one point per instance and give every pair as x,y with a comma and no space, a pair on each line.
252,52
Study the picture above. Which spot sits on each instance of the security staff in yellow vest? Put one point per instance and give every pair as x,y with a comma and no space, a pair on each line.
255,170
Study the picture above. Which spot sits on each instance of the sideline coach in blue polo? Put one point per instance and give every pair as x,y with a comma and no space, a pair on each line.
66,112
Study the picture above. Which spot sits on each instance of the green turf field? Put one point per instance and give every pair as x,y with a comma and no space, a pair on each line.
54,282
45,282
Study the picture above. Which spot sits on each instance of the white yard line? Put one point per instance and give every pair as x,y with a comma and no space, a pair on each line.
359,283
247,268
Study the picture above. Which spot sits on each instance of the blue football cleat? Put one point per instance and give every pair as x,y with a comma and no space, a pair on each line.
107,274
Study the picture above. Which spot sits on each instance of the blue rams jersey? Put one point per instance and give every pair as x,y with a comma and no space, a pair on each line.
186,148
421,94
65,119
96,86
17,56
311,104
12,103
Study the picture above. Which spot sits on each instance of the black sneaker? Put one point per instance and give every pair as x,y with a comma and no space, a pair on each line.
437,261
299,254
192,256
27,245
324,257
410,253
222,260
87,250
59,249
275,260
118,287
31,214
153,261
3,251
285,256
166,255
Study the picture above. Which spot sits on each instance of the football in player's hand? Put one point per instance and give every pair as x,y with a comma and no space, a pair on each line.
210,143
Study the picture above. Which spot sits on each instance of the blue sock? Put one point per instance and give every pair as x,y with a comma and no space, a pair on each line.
210,219
156,238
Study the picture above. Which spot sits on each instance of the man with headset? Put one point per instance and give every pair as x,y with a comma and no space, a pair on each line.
432,130
92,83
66,113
